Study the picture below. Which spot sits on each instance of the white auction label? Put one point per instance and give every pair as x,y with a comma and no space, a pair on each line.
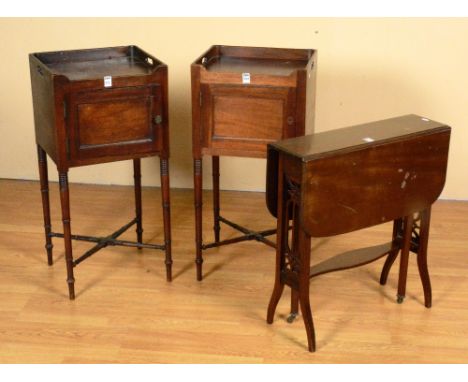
246,78
108,81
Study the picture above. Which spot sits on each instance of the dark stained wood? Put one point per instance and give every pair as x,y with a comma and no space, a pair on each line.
390,168
422,256
276,67
404,257
355,138
166,205
44,180
397,226
281,232
216,208
138,210
241,119
66,221
198,178
81,120
42,87
231,117
351,259
344,180
391,172
69,107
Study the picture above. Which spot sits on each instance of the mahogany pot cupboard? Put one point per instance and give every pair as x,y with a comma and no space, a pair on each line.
96,106
242,99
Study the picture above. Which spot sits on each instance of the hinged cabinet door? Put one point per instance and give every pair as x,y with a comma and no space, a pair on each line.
246,118
114,122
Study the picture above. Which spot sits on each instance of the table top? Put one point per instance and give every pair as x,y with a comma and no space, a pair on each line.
363,175
357,137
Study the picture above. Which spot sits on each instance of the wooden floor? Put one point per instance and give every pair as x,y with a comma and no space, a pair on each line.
125,311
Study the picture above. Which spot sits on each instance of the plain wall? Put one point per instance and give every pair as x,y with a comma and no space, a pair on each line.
368,69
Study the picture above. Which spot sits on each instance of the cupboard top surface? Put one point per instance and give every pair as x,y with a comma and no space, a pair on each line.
256,60
89,64
225,64
352,138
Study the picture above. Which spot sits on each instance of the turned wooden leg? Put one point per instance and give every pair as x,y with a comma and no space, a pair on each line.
44,181
408,226
138,214
65,203
393,254
216,209
198,183
422,256
164,164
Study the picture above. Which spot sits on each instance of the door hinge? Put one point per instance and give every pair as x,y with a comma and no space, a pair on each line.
200,98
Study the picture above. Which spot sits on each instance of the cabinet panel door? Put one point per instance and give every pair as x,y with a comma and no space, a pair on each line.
246,118
114,122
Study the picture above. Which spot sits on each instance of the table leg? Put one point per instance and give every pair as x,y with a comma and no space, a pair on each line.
304,282
280,263
164,165
294,249
198,183
65,203
216,209
422,256
274,299
408,226
393,254
44,181
138,211
281,242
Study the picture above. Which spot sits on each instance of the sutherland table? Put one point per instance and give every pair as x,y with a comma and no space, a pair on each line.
95,106
242,99
347,179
